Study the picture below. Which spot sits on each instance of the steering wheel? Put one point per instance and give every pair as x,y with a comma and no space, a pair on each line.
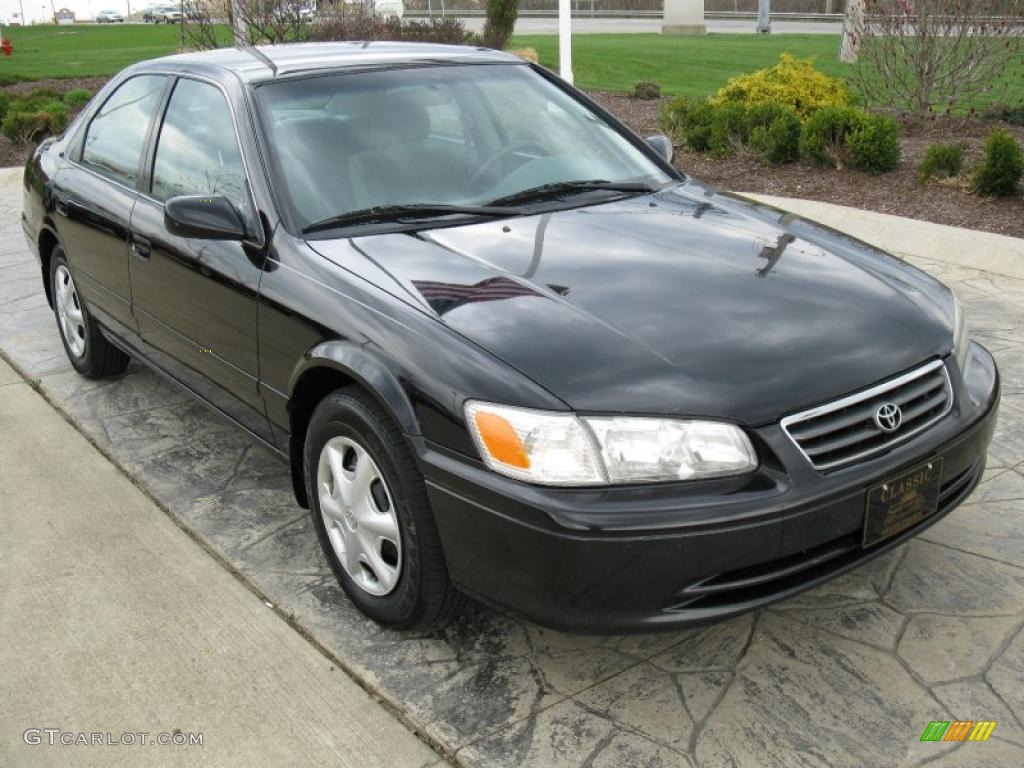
501,154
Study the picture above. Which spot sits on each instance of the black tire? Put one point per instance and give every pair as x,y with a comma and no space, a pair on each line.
423,597
100,359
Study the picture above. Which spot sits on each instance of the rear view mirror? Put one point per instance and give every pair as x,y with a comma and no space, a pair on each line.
205,217
662,146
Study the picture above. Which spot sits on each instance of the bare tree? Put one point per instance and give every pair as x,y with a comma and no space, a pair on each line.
926,56
853,25
249,22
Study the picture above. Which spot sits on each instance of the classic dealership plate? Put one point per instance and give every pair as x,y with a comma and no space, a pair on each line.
901,502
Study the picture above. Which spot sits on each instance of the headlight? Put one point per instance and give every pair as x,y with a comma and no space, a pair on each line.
535,446
563,449
961,333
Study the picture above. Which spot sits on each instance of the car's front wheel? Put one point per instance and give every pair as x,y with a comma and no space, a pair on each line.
87,348
371,513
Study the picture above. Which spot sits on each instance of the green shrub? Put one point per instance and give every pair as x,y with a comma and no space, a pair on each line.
1001,167
688,121
77,98
824,135
646,89
22,126
729,129
5,103
774,133
675,115
34,100
1009,114
792,82
874,145
941,161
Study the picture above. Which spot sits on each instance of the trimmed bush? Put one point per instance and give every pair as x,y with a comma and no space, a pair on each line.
26,125
688,121
1001,167
792,82
941,161
1013,115
35,99
874,145
729,130
646,89
774,133
825,133
675,115
77,98
369,26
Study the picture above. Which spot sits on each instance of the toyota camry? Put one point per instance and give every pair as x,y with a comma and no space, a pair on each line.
507,349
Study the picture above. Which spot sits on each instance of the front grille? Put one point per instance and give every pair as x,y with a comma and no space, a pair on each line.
843,431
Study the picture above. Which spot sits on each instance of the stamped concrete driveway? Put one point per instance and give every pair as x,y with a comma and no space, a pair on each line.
846,675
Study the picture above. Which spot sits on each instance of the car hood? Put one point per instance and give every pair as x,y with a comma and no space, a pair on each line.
685,301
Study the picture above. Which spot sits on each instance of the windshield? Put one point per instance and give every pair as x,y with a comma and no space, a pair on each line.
438,135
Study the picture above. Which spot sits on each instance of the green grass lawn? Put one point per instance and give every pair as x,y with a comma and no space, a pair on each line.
685,66
691,66
46,51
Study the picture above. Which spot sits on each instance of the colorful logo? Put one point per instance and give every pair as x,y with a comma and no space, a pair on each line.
958,730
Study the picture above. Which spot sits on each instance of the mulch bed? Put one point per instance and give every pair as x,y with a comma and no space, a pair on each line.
897,193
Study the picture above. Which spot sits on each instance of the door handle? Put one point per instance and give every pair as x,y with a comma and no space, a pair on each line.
60,205
141,247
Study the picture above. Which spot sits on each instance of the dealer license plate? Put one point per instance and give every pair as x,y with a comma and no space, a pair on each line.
902,502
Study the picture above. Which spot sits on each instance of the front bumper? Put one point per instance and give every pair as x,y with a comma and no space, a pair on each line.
667,556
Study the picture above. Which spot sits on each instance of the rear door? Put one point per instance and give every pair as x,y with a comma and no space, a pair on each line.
196,300
95,193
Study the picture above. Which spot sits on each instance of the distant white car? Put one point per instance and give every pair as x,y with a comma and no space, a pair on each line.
389,8
168,14
109,17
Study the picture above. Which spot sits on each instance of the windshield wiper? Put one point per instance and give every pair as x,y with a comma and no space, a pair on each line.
412,212
563,187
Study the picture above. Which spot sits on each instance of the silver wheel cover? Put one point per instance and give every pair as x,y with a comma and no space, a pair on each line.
69,311
359,514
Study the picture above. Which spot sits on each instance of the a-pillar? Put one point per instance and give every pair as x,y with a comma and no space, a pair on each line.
683,17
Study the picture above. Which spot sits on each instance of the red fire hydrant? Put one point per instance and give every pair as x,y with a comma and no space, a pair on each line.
6,47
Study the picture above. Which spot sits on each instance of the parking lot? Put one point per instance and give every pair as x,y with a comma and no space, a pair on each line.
849,674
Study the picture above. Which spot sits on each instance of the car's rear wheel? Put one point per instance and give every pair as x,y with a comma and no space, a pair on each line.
371,513
86,346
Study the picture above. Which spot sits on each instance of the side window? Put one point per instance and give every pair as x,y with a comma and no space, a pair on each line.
115,137
197,152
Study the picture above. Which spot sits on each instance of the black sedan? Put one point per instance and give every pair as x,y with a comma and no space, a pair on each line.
508,350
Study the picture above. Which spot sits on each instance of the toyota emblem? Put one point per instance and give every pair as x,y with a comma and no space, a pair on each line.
888,417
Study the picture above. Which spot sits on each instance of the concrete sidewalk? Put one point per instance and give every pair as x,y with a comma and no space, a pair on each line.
113,620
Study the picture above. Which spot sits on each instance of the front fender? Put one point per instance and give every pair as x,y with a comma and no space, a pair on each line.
355,362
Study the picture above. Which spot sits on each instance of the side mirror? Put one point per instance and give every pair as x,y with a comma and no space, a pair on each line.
662,145
204,217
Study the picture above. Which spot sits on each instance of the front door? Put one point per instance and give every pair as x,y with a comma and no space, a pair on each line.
196,300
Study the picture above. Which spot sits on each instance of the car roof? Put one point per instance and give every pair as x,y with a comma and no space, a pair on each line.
266,62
